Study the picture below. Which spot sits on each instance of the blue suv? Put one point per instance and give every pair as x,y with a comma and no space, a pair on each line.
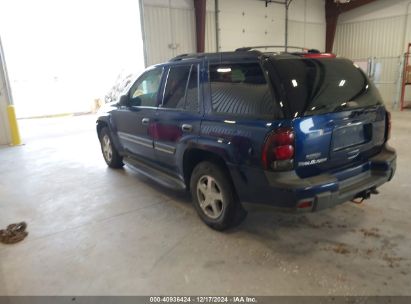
303,131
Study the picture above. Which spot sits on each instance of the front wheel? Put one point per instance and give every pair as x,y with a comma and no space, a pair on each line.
214,196
110,154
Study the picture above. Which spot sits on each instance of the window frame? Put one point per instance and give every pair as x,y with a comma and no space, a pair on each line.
199,91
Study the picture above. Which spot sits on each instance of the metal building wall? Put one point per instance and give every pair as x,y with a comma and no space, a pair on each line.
377,38
169,26
249,23
379,32
169,29
306,34
4,127
211,41
168,32
4,123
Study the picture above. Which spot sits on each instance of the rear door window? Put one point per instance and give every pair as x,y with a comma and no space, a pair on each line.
315,86
192,92
242,90
181,89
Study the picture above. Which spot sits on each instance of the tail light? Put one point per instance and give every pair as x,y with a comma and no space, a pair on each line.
278,150
388,119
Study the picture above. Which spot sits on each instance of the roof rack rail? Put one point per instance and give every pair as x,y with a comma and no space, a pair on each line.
179,57
249,48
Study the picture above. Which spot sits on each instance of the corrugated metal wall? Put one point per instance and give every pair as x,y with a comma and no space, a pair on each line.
211,41
241,23
168,32
380,39
376,38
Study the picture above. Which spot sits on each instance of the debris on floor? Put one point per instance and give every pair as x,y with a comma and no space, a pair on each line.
14,233
392,261
371,232
341,249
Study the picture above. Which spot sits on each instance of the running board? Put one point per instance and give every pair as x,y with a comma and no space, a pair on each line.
157,175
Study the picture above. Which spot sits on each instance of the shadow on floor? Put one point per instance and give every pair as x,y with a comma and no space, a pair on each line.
284,232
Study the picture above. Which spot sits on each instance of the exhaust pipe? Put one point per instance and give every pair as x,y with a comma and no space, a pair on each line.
366,194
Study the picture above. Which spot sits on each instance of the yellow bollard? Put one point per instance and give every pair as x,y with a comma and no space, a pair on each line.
14,128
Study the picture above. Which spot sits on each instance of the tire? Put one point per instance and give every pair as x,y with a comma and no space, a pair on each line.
214,197
111,156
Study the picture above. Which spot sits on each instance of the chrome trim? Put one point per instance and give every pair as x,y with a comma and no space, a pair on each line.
136,139
164,148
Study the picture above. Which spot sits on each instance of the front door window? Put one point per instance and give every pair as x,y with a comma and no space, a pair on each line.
144,91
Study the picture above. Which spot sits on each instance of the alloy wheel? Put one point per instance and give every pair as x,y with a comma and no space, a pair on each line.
107,149
210,197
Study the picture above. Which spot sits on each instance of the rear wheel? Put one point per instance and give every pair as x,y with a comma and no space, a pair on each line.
214,197
110,154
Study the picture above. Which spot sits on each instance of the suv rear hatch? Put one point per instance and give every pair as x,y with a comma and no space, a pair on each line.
338,116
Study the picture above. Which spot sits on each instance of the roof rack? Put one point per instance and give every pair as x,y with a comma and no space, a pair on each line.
304,52
215,55
249,48
251,52
180,57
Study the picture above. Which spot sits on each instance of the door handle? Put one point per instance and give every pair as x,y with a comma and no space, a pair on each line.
145,121
187,128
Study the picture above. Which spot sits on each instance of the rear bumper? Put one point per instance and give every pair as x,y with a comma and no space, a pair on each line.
287,190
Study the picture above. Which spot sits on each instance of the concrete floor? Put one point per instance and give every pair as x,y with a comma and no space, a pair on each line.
94,230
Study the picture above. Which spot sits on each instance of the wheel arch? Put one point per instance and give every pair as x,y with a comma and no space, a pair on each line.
104,122
193,156
100,124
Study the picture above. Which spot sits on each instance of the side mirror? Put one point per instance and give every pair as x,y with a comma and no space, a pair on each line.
124,101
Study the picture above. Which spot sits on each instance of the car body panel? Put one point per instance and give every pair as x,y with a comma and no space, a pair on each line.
132,133
171,139
325,142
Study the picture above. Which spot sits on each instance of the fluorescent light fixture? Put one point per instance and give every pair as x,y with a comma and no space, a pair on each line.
342,82
224,70
296,114
281,104
294,82
230,121
366,87
313,108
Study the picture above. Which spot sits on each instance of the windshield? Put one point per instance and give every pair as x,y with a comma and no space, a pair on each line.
315,86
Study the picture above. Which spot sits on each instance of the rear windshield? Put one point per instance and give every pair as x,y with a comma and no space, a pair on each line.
316,86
